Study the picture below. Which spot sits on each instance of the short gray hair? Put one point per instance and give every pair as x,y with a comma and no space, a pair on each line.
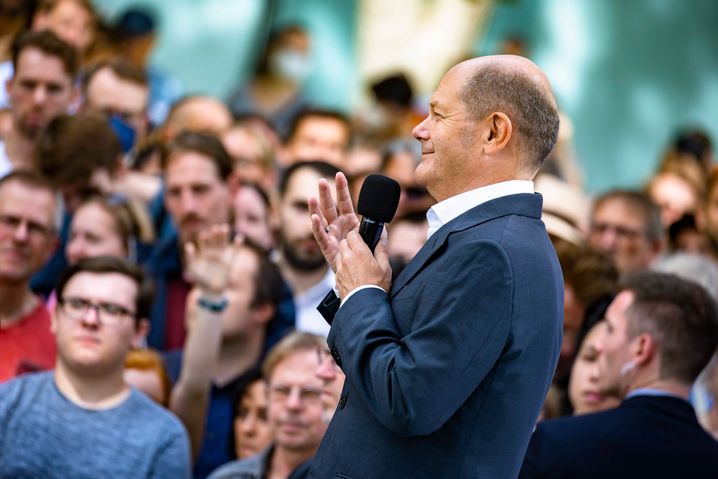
530,108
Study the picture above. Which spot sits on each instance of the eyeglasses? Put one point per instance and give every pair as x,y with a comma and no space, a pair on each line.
110,314
308,395
623,232
35,230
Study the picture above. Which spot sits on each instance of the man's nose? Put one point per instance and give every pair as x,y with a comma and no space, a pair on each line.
248,424
21,232
188,202
326,370
294,401
606,238
91,317
421,131
39,95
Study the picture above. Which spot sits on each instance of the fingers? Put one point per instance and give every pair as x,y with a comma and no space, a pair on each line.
344,248
190,251
355,240
344,199
381,253
320,233
326,203
357,245
215,237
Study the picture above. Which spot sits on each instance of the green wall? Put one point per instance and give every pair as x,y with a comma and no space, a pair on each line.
628,72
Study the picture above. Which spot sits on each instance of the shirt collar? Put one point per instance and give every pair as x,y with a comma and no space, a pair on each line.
445,211
652,392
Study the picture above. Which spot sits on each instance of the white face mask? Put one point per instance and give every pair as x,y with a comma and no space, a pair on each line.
376,117
290,64
627,368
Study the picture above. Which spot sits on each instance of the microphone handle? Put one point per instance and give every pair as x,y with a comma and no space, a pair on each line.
370,232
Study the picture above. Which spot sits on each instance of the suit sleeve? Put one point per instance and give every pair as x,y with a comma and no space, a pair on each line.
414,383
329,306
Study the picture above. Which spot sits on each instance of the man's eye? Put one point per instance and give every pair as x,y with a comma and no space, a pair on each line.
113,309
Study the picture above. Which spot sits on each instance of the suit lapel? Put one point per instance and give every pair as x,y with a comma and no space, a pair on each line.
522,204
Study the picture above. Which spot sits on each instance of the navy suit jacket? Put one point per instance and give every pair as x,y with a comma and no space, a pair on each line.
446,374
646,436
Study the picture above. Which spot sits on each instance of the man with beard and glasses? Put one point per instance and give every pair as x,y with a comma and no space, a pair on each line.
300,260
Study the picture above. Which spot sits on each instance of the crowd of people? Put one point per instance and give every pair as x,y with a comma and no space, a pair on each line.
160,274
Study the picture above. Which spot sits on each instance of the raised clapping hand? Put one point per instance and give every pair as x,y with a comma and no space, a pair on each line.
332,222
335,227
208,262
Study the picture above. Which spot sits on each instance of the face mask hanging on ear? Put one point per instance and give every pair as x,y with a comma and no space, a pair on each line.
626,368
290,64
125,133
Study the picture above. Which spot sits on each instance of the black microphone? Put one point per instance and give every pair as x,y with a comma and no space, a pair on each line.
378,199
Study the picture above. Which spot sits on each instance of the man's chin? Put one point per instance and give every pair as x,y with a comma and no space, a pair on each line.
303,262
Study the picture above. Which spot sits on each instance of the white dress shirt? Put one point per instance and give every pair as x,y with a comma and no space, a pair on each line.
445,211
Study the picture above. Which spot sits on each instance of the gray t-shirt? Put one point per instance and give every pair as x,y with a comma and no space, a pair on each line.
43,434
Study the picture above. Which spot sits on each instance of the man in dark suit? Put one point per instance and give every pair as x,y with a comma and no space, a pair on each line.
660,332
447,368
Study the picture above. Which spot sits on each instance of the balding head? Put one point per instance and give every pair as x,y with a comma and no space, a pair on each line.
198,113
518,88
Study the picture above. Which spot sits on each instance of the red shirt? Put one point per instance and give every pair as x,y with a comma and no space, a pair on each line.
175,332
27,345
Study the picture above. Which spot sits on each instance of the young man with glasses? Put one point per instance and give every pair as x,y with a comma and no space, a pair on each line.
27,237
92,423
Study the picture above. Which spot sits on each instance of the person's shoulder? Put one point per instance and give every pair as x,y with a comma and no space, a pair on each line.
153,415
25,383
570,428
24,390
249,467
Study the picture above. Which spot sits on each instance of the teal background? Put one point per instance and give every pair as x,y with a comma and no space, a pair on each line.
629,73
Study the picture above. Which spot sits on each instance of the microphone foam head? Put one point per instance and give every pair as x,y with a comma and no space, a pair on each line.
378,198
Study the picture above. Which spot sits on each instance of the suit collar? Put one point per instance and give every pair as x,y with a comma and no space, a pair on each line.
668,404
524,204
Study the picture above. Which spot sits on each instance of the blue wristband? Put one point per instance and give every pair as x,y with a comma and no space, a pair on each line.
213,306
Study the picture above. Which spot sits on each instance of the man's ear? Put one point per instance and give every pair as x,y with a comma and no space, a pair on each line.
644,349
53,318
75,94
139,338
263,313
500,131
8,84
233,185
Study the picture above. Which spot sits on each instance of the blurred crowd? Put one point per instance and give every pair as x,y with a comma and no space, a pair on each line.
163,240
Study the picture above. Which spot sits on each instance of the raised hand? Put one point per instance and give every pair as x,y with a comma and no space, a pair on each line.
357,266
208,262
332,222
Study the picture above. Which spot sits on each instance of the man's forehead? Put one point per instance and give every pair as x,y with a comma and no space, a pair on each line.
17,188
617,209
32,59
180,163
120,287
297,367
620,304
304,183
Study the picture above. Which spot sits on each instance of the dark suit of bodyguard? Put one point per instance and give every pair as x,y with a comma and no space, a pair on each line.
447,372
